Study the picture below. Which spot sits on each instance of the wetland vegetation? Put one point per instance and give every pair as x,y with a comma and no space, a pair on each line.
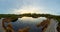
14,17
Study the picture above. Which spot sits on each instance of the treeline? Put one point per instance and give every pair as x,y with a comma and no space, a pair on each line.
34,15
8,15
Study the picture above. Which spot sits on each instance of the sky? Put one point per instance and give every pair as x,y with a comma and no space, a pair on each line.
30,6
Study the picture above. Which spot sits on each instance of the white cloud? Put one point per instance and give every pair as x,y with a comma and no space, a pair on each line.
33,6
30,9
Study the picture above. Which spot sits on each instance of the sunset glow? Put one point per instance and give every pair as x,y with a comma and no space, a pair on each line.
27,9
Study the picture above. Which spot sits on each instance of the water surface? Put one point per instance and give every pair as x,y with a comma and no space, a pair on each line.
28,21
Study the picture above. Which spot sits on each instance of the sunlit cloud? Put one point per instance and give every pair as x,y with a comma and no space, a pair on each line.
29,9
30,6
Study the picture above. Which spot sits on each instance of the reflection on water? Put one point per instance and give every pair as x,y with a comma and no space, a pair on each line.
31,20
27,21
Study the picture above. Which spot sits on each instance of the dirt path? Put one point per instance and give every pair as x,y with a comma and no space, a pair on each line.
1,28
52,27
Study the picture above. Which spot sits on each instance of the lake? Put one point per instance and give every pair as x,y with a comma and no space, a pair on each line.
28,21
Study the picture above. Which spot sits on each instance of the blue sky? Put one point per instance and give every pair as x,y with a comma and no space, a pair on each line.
33,6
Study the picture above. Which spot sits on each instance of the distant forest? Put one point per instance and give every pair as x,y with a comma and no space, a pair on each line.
34,15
